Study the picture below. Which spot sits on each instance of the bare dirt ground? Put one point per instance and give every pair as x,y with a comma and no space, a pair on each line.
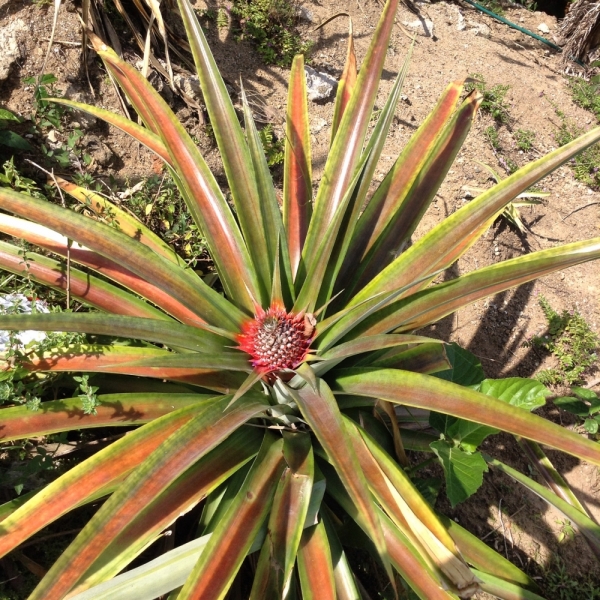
515,522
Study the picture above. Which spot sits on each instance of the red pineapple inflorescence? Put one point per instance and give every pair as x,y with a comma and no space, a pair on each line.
276,339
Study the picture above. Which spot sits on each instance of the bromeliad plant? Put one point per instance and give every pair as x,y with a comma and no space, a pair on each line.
273,377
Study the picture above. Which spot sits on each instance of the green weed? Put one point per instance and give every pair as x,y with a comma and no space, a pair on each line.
586,165
571,341
274,148
491,133
524,139
586,94
494,98
272,26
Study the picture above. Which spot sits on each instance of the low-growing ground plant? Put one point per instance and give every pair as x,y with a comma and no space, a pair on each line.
572,343
268,404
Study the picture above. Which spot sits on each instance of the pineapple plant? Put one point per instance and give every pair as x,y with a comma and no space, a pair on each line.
255,399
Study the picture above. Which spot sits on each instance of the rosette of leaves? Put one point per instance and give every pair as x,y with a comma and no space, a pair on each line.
254,400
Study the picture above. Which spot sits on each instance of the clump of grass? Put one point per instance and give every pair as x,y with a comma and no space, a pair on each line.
586,94
586,165
572,342
524,139
494,98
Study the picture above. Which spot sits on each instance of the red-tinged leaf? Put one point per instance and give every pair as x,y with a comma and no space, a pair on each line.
445,243
424,358
171,334
405,558
346,83
272,222
405,197
288,515
423,391
183,285
61,245
113,410
320,410
373,343
231,539
345,584
109,359
141,134
83,287
434,303
393,190
589,528
84,480
201,191
237,160
297,175
179,498
484,558
315,569
116,217
205,430
348,144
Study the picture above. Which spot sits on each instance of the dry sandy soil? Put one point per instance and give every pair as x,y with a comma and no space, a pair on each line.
494,329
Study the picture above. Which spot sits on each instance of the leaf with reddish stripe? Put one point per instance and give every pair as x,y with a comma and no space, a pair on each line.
434,303
346,84
116,217
171,334
348,144
88,477
502,589
403,197
446,242
288,515
191,487
320,410
158,471
421,391
83,287
373,343
234,151
141,134
315,568
231,539
183,285
63,246
297,165
113,410
201,192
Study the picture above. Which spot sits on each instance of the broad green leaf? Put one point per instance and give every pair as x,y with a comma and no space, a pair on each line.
158,514
297,175
237,161
13,140
572,405
466,369
315,569
169,333
113,410
60,275
183,285
232,538
517,391
464,471
423,391
190,442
